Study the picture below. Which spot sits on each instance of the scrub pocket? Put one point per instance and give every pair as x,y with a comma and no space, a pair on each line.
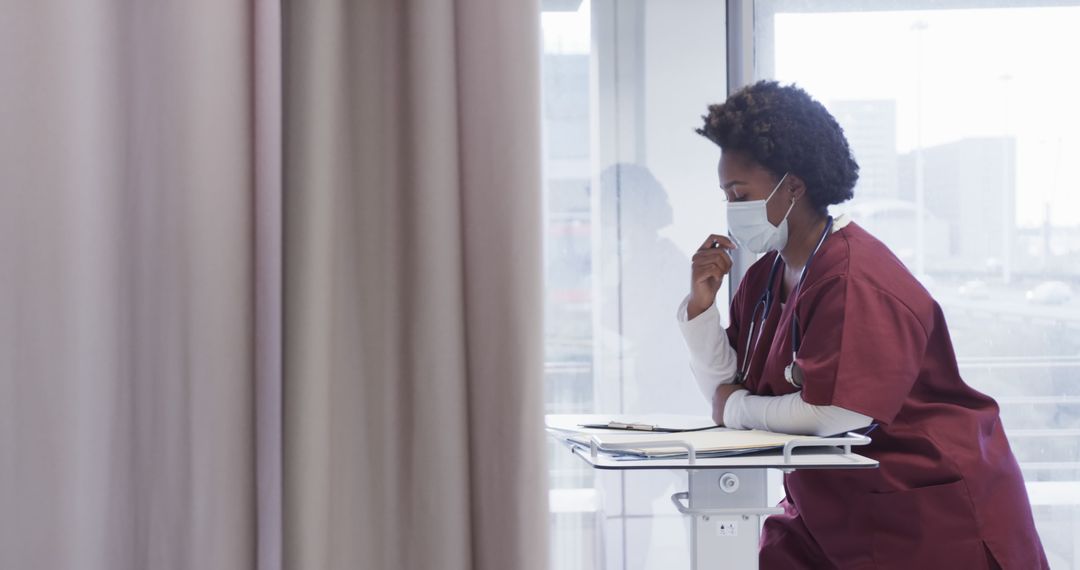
926,527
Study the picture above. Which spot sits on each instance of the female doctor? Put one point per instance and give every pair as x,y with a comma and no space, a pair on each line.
829,332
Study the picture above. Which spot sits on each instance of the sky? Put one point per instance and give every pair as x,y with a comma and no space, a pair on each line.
991,72
983,72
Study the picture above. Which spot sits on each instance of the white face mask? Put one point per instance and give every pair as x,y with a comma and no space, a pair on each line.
749,224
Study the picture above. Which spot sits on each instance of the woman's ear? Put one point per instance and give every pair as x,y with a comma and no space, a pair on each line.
796,187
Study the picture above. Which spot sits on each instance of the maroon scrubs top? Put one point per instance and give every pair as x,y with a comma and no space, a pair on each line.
948,493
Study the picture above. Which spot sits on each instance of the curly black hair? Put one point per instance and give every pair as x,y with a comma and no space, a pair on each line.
784,129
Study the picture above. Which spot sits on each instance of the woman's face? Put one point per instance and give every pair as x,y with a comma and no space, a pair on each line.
744,180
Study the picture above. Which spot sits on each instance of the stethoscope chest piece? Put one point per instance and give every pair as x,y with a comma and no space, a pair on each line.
793,374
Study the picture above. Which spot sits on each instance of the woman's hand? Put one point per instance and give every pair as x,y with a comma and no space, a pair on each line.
707,270
720,398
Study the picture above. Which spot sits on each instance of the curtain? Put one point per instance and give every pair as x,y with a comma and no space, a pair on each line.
412,343
126,395
269,285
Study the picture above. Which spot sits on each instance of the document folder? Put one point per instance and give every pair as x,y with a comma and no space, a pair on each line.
717,442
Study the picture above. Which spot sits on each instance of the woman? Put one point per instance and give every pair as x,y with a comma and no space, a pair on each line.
853,340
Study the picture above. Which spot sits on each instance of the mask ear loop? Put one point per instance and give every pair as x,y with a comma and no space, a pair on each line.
774,191
777,187
790,208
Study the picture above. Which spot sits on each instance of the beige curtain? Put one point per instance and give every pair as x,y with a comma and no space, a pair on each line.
413,331
126,286
164,401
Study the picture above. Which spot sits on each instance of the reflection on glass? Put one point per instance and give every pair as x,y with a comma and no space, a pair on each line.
629,192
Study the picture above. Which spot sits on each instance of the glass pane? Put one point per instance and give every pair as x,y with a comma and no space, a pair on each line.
630,193
964,121
568,367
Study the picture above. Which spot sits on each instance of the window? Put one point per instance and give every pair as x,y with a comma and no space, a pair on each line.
630,193
963,118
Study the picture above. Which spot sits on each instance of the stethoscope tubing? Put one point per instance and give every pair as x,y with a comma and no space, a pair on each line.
766,301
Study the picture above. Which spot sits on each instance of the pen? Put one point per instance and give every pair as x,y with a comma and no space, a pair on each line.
716,243
621,425
643,427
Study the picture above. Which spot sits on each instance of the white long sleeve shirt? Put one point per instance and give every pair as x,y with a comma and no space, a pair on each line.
714,362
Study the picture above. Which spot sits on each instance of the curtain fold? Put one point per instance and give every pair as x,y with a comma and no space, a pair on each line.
499,122
266,97
270,285
413,321
126,286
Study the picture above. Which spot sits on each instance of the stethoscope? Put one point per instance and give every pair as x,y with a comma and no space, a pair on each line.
792,374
